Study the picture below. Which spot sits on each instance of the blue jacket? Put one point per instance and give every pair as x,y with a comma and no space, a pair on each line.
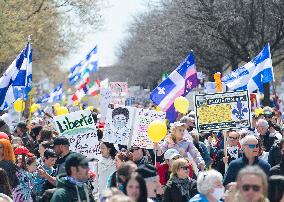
200,198
236,165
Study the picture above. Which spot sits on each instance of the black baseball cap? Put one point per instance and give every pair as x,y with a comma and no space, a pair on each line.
61,141
49,153
76,159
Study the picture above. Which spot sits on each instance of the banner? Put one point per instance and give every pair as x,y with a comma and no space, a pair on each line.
105,100
118,125
143,117
230,110
80,128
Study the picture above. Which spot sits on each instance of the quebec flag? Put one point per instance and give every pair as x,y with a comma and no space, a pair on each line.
56,94
89,62
16,82
252,75
178,83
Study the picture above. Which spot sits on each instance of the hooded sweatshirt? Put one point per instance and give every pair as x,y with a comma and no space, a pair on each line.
69,191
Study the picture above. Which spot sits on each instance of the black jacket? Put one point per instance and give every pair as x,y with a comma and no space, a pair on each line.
218,163
277,170
267,141
274,156
172,192
236,165
11,170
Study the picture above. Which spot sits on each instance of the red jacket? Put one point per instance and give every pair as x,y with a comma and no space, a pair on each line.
163,172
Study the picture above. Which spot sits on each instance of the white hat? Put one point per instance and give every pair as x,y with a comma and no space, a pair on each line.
170,154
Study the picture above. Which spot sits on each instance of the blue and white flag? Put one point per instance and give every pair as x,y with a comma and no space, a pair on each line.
90,62
252,75
56,94
16,82
178,83
44,98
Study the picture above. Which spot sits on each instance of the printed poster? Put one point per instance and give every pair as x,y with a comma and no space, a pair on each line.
80,128
229,110
143,117
118,125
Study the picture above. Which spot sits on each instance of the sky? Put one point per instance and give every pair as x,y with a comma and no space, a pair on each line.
117,15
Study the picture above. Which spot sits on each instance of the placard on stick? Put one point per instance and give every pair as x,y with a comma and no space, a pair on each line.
229,110
80,129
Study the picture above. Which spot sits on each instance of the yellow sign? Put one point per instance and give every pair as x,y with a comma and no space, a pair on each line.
214,113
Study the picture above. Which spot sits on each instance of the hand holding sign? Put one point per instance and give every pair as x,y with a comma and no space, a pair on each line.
157,130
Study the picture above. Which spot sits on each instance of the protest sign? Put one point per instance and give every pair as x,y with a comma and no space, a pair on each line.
143,117
105,100
80,129
118,125
230,110
119,88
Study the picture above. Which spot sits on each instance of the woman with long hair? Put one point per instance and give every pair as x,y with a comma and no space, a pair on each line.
180,187
135,188
106,165
5,187
7,162
252,185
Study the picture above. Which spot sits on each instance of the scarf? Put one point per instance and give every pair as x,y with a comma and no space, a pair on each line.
183,186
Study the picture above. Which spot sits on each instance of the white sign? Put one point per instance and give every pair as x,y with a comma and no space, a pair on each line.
143,117
80,129
118,125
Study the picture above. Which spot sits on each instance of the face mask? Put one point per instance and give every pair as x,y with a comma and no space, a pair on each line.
218,193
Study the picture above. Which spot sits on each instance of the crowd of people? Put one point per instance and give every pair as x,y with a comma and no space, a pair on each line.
245,165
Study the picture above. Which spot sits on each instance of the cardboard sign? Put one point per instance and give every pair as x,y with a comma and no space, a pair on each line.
222,111
80,128
143,117
118,125
105,100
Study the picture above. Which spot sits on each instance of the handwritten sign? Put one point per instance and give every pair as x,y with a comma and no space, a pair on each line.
80,129
118,125
143,117
230,110
119,88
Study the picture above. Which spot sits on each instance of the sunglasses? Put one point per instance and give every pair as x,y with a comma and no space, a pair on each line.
233,138
184,167
247,187
252,146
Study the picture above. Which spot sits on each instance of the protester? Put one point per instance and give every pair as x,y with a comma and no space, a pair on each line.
185,147
251,185
264,134
180,187
106,165
5,187
140,156
135,188
276,188
43,146
7,162
108,193
274,156
233,153
279,169
27,165
120,158
74,186
209,186
201,147
123,173
151,177
22,132
250,157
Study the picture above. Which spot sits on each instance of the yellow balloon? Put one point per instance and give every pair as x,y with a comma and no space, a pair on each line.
157,130
61,111
19,105
181,104
56,105
76,103
91,108
33,108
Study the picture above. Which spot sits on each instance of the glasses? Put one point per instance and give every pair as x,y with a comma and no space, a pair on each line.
247,187
252,146
175,158
184,167
233,138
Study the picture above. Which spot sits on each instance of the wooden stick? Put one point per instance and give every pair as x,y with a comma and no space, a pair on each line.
225,134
